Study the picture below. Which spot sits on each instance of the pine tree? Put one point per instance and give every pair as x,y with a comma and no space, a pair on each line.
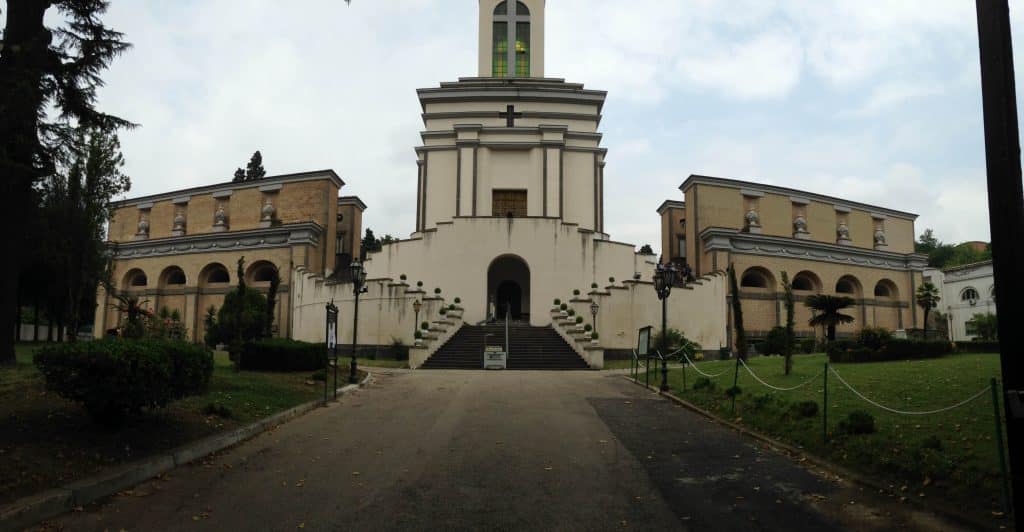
239,176
254,170
48,82
790,303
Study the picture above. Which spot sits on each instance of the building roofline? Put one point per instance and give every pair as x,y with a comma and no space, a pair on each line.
761,187
671,204
967,266
218,187
352,200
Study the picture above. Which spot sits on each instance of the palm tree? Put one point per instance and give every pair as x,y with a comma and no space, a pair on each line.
828,314
927,298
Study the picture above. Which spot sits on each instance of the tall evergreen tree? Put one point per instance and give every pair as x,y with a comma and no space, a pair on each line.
239,176
790,302
254,170
48,82
737,315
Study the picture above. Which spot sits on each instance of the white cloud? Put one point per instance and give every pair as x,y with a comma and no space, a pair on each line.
766,66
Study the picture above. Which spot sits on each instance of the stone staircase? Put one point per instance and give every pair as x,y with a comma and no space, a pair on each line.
538,348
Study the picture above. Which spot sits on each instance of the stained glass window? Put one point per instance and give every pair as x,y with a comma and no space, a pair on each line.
523,49
500,69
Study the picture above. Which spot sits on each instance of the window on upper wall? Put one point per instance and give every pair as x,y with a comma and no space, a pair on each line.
970,295
511,26
510,203
682,246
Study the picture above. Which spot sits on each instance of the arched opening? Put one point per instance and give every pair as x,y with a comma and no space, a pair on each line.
757,278
848,285
172,277
135,278
511,24
806,281
886,289
970,295
214,274
508,287
260,272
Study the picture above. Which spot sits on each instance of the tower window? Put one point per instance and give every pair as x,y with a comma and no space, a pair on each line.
510,203
511,27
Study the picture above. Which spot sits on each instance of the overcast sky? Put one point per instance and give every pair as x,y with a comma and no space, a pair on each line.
868,100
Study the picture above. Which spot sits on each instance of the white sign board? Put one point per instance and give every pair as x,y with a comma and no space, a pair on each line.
495,357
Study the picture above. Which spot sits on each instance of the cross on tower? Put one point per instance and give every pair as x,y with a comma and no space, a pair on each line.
510,115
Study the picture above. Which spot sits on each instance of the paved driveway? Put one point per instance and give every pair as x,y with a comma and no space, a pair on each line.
454,450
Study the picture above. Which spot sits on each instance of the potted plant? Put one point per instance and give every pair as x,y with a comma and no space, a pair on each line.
443,311
593,286
576,292
419,338
563,308
593,338
419,284
458,301
611,280
555,304
452,306
425,326
437,291
402,277
636,276
587,328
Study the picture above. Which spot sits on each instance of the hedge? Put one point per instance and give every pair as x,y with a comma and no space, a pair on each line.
282,354
115,378
977,347
896,349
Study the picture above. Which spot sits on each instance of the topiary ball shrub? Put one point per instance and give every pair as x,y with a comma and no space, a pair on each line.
857,422
437,291
443,311
425,326
587,327
579,320
703,383
114,379
572,312
557,302
282,354
563,306
418,334
402,277
452,307
594,335
733,391
419,284
593,286
804,408
576,292
458,300
611,280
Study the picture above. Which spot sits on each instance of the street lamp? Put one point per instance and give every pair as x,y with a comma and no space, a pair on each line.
593,313
416,306
664,278
358,282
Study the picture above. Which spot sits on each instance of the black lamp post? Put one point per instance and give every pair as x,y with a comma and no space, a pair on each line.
664,278
593,314
416,306
358,282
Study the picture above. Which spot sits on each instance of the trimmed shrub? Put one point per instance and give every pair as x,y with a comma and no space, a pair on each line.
857,422
437,291
572,312
282,354
579,320
402,277
452,306
593,286
587,327
775,342
611,280
458,300
805,408
557,302
807,345
113,379
443,311
896,349
563,306
576,292
418,334
873,337
977,347
425,326
703,383
594,335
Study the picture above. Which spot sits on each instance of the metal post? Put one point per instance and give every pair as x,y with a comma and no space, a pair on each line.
664,344
824,407
508,312
1007,505
1005,207
684,375
353,378
327,360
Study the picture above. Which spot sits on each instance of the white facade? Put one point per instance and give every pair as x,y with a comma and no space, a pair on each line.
965,291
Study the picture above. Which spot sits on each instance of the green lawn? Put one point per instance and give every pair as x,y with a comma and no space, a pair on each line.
950,456
46,441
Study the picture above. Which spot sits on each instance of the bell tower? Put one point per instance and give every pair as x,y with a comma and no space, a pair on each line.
512,38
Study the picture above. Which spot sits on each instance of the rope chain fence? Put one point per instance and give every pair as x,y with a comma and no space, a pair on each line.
907,412
758,379
708,375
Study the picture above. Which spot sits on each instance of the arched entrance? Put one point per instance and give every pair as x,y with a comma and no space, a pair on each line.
508,287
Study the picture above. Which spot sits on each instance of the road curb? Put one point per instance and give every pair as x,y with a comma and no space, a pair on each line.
30,510
834,468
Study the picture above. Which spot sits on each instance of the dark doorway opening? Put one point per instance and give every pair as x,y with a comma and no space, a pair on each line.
509,298
508,288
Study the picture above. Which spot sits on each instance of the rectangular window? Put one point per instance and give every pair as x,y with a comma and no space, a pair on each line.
500,47
523,49
509,203
682,247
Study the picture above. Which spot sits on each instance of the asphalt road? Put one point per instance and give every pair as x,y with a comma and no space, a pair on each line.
454,450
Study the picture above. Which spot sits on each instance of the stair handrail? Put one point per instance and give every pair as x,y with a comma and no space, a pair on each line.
508,312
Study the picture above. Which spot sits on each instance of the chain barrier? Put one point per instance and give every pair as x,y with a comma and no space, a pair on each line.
758,379
905,412
695,368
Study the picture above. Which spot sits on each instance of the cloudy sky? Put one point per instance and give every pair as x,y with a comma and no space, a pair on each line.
868,100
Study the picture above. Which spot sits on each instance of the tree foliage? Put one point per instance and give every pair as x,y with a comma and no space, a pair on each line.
242,318
737,315
646,249
789,338
983,327
941,255
827,312
253,171
49,78
927,298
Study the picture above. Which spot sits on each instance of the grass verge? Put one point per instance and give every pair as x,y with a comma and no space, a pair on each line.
950,456
47,442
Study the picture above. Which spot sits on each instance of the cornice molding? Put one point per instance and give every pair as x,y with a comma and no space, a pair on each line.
225,189
733,241
671,204
748,188
307,233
